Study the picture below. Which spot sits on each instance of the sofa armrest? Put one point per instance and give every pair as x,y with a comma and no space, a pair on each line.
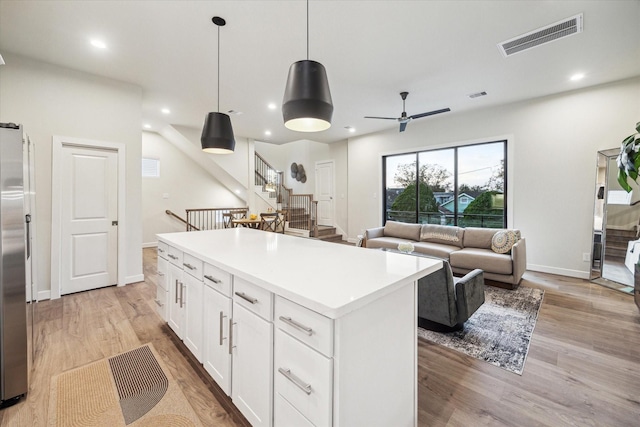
519,257
469,294
372,233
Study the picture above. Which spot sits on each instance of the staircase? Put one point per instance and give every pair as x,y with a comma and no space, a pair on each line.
616,244
328,234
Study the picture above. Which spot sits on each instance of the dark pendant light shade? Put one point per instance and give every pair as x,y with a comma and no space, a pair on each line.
307,105
217,134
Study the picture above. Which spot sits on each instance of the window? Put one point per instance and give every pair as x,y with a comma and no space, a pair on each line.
463,186
150,168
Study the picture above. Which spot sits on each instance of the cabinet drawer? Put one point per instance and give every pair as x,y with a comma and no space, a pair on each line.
304,378
163,266
218,279
175,256
161,302
162,250
254,298
286,415
308,326
192,265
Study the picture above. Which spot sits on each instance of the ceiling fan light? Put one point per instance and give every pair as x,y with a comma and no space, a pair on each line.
307,104
217,134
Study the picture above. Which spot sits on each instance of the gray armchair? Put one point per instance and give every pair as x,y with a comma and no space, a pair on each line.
446,302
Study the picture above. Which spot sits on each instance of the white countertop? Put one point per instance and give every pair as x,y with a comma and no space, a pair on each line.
329,278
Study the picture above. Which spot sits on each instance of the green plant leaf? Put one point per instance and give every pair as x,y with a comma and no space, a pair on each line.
638,127
622,180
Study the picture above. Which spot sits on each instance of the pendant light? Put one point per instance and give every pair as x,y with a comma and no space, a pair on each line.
307,105
217,133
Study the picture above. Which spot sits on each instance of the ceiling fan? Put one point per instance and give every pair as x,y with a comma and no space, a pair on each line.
404,119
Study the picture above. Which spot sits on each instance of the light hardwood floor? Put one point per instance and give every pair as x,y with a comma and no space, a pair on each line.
583,367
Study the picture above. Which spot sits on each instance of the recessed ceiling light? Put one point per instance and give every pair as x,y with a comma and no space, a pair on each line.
234,112
98,43
272,106
146,126
350,129
165,111
576,77
267,132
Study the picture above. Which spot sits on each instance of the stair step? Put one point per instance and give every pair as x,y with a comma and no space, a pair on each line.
331,237
326,231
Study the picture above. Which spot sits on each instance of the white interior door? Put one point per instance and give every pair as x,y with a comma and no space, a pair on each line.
89,215
324,192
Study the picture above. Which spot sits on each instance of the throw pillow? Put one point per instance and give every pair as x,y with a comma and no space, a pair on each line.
502,241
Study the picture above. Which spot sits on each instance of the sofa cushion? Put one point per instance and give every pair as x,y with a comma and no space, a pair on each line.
478,237
502,241
486,259
444,234
385,242
437,250
402,230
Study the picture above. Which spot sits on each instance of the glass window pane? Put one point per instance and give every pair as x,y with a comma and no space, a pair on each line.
400,188
436,187
481,185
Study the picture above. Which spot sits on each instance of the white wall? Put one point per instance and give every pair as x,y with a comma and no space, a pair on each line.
339,152
303,152
552,169
51,100
186,184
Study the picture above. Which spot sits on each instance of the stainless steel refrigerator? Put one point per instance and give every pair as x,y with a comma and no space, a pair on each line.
13,306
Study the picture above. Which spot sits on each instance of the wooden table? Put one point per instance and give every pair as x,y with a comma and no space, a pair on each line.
246,222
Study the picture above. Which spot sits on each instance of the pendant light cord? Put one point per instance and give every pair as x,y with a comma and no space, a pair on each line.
218,68
307,30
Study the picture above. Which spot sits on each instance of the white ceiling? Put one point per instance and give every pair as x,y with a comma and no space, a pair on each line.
439,51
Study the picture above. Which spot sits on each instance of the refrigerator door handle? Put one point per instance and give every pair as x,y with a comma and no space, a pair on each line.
27,220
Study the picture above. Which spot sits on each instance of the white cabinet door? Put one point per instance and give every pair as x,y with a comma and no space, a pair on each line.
216,357
176,292
252,368
192,307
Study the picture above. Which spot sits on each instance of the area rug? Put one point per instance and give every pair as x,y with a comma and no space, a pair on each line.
499,332
130,389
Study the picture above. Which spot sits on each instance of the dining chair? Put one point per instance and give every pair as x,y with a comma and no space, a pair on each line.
268,221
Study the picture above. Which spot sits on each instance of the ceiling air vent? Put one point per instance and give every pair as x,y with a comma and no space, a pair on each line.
565,28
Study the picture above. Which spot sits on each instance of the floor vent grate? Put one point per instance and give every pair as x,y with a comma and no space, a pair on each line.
565,28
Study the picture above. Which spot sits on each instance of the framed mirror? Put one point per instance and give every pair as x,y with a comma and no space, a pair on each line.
616,227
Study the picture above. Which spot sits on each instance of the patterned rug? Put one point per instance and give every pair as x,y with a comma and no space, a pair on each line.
130,389
500,331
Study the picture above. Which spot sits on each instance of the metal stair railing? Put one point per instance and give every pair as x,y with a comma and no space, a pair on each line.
209,218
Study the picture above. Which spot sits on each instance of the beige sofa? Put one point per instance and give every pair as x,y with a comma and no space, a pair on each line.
465,248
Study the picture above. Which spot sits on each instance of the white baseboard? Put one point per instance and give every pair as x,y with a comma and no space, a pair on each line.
134,279
559,271
150,245
44,295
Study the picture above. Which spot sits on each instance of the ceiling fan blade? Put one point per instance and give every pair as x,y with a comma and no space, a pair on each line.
430,113
383,118
403,126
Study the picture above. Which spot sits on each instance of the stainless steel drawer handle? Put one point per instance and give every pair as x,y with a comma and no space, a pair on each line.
160,274
158,303
222,316
176,291
294,379
291,322
189,266
160,250
213,279
246,297
172,256
182,303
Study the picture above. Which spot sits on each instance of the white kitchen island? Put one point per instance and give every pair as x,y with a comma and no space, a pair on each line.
298,332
